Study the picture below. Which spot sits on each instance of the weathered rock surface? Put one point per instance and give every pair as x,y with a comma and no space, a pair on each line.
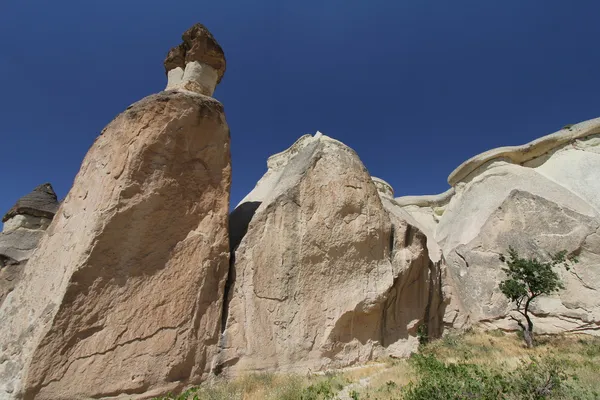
142,285
41,202
24,226
323,274
198,64
539,198
123,296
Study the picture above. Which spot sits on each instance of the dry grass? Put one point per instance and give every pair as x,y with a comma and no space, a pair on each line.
267,386
579,354
356,373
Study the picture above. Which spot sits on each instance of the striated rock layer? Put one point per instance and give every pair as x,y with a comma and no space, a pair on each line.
24,226
123,297
539,198
198,64
323,275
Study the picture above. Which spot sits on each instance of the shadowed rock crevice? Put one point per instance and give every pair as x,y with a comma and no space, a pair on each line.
322,276
239,220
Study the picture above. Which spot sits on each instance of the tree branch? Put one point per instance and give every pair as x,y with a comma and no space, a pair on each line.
518,322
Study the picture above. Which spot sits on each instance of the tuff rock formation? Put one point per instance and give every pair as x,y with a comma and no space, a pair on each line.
123,296
540,198
197,64
24,226
323,274
143,285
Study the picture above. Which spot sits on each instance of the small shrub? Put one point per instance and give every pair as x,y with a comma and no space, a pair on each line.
529,278
536,379
422,334
321,390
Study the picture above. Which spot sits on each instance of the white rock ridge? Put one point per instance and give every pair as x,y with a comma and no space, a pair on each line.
540,198
197,77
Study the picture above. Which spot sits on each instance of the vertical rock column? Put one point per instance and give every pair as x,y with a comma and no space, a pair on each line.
197,64
123,297
324,276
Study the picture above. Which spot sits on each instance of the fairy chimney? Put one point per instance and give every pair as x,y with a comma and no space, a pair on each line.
197,64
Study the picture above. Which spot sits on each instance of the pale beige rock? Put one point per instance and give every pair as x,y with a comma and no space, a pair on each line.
437,200
527,152
427,211
450,309
384,188
324,276
539,198
26,222
123,296
535,227
197,77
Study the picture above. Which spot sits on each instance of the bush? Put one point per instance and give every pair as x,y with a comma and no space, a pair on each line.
535,379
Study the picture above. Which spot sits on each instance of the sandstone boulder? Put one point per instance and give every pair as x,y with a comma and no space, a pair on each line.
123,297
24,226
323,274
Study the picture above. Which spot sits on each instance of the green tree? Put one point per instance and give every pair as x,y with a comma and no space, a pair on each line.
529,278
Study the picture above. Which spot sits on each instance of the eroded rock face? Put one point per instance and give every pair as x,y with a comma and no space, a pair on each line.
323,274
24,226
540,198
198,64
41,202
123,297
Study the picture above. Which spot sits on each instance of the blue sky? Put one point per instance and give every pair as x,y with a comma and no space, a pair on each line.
415,87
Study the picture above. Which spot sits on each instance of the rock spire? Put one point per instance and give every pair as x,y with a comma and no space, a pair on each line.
197,64
123,297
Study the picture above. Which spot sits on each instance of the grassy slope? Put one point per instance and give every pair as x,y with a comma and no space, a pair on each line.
577,357
494,353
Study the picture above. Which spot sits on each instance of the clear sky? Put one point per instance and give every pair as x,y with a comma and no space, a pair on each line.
414,86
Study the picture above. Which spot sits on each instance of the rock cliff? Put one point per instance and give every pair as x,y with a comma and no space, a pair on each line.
539,198
123,296
323,275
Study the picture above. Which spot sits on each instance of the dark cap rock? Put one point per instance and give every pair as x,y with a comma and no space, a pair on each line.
198,45
41,202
